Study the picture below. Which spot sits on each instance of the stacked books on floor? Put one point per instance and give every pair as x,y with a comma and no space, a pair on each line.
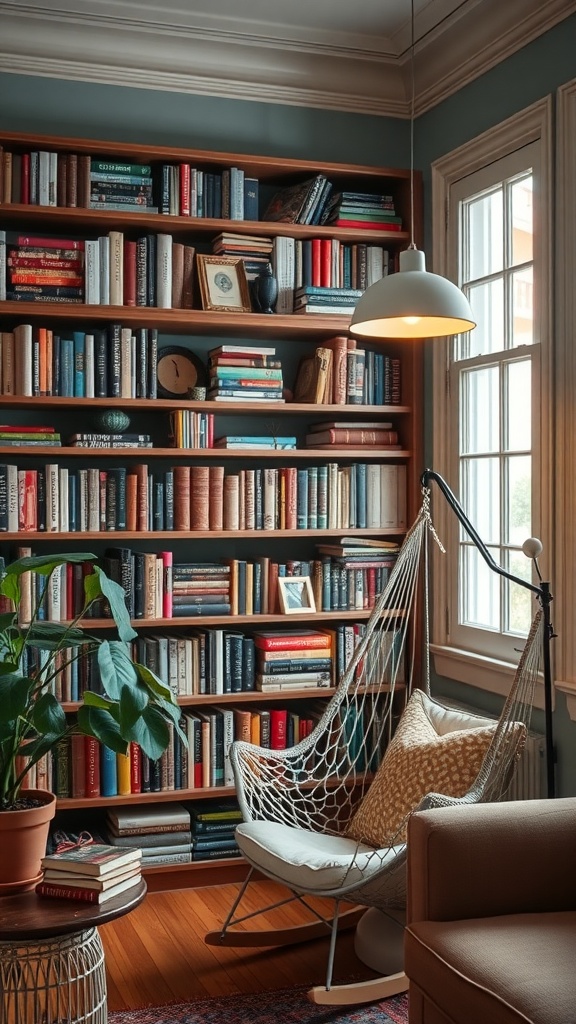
160,831
244,373
315,299
254,250
328,434
363,210
45,270
93,873
121,186
20,435
293,660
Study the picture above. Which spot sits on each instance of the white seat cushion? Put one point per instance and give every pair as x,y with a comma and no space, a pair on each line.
309,861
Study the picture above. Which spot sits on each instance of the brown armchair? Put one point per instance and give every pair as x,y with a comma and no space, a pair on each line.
491,914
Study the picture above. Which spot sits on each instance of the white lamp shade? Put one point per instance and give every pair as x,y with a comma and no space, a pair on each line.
412,304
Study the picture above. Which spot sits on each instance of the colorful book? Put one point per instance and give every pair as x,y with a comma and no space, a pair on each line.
75,892
93,859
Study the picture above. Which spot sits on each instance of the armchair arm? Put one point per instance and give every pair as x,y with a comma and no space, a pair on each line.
484,860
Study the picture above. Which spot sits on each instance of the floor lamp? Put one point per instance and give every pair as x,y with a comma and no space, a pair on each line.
542,592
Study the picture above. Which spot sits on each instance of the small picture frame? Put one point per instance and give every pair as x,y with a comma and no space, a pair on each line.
223,283
296,595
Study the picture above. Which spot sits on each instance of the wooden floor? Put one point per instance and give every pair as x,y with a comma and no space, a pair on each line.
157,954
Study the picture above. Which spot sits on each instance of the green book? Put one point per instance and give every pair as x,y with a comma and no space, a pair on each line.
116,167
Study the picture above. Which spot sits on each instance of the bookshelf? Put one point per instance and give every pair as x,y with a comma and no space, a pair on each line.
293,335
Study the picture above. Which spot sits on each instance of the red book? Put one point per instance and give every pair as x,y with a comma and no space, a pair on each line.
181,498
42,360
184,171
289,641
135,768
325,262
58,890
200,498
35,241
167,560
19,429
25,174
316,262
28,496
273,598
43,262
366,225
278,719
129,273
92,760
47,279
78,765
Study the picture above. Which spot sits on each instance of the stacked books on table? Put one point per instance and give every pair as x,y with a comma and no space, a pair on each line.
160,831
93,873
244,373
121,186
293,660
17,436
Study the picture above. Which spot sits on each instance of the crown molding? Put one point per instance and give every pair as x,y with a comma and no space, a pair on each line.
116,42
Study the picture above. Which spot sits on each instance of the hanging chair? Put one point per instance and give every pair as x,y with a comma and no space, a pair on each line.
328,817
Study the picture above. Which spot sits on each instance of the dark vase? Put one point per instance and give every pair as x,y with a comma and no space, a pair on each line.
265,291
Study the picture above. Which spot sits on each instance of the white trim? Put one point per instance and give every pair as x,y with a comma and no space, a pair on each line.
488,674
530,125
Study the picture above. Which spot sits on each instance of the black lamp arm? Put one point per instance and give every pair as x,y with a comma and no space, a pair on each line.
543,594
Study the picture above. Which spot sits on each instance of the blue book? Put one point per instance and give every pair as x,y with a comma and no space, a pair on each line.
108,772
248,664
72,502
378,378
79,369
322,497
251,190
257,589
361,495
313,497
302,499
67,368
241,587
326,580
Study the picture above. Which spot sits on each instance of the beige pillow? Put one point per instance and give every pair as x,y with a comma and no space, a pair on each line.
418,761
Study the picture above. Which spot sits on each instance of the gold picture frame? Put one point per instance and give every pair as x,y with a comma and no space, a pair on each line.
223,283
296,595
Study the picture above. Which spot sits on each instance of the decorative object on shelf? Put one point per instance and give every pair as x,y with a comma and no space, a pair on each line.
223,284
134,705
198,394
412,303
116,421
296,595
265,290
179,372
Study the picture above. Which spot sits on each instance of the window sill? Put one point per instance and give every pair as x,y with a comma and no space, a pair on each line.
484,673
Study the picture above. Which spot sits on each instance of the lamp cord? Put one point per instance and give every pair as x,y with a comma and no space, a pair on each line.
412,94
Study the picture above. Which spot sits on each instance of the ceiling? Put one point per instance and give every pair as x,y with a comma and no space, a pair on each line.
331,54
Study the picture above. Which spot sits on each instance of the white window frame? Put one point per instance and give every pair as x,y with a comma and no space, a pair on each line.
489,670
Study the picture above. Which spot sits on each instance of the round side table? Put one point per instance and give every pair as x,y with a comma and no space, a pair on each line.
52,960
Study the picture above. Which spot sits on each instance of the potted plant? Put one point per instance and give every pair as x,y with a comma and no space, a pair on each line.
133,705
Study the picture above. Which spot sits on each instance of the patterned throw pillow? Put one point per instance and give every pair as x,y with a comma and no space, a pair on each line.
418,761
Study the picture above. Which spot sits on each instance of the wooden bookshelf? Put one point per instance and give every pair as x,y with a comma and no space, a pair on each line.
198,329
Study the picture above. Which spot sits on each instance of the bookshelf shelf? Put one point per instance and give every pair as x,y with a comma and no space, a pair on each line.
294,336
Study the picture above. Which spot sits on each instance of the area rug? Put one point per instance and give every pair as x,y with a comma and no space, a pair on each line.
288,1007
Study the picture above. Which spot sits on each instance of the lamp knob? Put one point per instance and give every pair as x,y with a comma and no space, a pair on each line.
532,547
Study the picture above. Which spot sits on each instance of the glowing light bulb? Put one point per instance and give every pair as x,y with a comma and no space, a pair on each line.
411,319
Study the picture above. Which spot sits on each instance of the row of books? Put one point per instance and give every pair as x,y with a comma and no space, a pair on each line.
109,362
315,266
338,372
50,269
363,209
159,830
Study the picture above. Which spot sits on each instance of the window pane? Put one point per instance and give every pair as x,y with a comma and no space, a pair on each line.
522,308
480,426
519,488
485,238
481,497
487,301
522,221
518,430
518,601
479,591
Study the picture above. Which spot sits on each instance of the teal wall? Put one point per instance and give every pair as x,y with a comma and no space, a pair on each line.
534,72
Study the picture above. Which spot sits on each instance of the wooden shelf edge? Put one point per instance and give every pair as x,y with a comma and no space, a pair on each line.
36,535
224,409
203,453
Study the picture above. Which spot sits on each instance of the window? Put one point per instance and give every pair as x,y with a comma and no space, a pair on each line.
492,384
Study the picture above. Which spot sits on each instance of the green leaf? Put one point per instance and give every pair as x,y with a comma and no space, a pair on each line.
98,722
133,701
151,732
154,684
15,691
117,601
7,620
45,564
96,700
116,668
47,715
53,636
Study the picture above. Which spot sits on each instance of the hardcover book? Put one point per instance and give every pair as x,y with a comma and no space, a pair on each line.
93,859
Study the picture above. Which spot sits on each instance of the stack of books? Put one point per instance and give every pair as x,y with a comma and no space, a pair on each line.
110,441
315,299
363,210
45,270
200,588
244,373
373,434
293,660
254,250
121,186
160,831
255,443
19,435
94,873
213,824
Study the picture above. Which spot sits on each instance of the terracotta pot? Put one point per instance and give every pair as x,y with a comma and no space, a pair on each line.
23,837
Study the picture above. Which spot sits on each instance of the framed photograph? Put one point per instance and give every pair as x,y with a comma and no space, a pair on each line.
296,594
223,284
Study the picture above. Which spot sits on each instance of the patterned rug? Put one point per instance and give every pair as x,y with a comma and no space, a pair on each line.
290,1007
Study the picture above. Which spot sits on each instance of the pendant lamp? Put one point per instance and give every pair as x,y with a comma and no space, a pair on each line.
412,303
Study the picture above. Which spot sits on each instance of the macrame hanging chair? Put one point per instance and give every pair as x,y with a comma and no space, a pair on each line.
328,816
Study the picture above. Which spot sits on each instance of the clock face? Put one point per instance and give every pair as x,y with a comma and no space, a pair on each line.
178,371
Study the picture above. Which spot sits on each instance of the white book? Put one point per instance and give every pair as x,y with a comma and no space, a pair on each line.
54,595
389,496
162,643
23,360
92,271
283,262
332,495
374,264
89,369
402,496
104,270
228,716
63,523
126,362
116,268
93,483
160,600
52,498
164,271
270,489
43,178
373,487
82,500
173,664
